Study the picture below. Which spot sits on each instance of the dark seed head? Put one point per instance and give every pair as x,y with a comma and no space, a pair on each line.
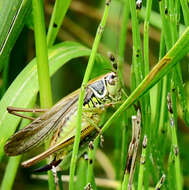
166,11
55,25
90,161
91,146
111,56
173,89
108,2
144,144
176,151
139,4
88,187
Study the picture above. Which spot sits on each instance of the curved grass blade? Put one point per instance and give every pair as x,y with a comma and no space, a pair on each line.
13,162
13,16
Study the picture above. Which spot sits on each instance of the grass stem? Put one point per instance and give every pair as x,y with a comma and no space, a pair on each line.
82,92
59,11
123,38
142,163
41,54
42,64
185,7
171,99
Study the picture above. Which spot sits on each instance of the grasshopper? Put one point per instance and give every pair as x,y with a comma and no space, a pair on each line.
59,122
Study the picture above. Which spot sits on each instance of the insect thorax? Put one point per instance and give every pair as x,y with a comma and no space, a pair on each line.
91,101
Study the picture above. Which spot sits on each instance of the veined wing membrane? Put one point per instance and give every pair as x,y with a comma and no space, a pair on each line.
40,129
56,147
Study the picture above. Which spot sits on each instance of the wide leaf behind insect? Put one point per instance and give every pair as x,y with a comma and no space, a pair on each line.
25,91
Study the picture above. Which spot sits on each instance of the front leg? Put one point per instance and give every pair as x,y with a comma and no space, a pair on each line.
100,108
88,119
95,126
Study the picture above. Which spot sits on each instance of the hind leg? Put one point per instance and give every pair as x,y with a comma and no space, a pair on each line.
14,110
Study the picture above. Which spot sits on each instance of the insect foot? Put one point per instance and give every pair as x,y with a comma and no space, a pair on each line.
88,187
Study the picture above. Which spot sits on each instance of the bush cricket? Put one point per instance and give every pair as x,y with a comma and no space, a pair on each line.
59,122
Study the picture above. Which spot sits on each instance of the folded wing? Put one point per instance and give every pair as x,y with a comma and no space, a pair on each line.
40,129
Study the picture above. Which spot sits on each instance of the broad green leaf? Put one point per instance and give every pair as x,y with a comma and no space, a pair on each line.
25,86
13,15
13,162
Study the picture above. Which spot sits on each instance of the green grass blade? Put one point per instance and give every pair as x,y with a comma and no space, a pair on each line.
185,8
155,20
41,54
13,15
59,11
123,38
42,67
82,92
5,76
81,176
164,66
10,172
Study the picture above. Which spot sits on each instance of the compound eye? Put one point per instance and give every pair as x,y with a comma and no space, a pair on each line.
111,79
